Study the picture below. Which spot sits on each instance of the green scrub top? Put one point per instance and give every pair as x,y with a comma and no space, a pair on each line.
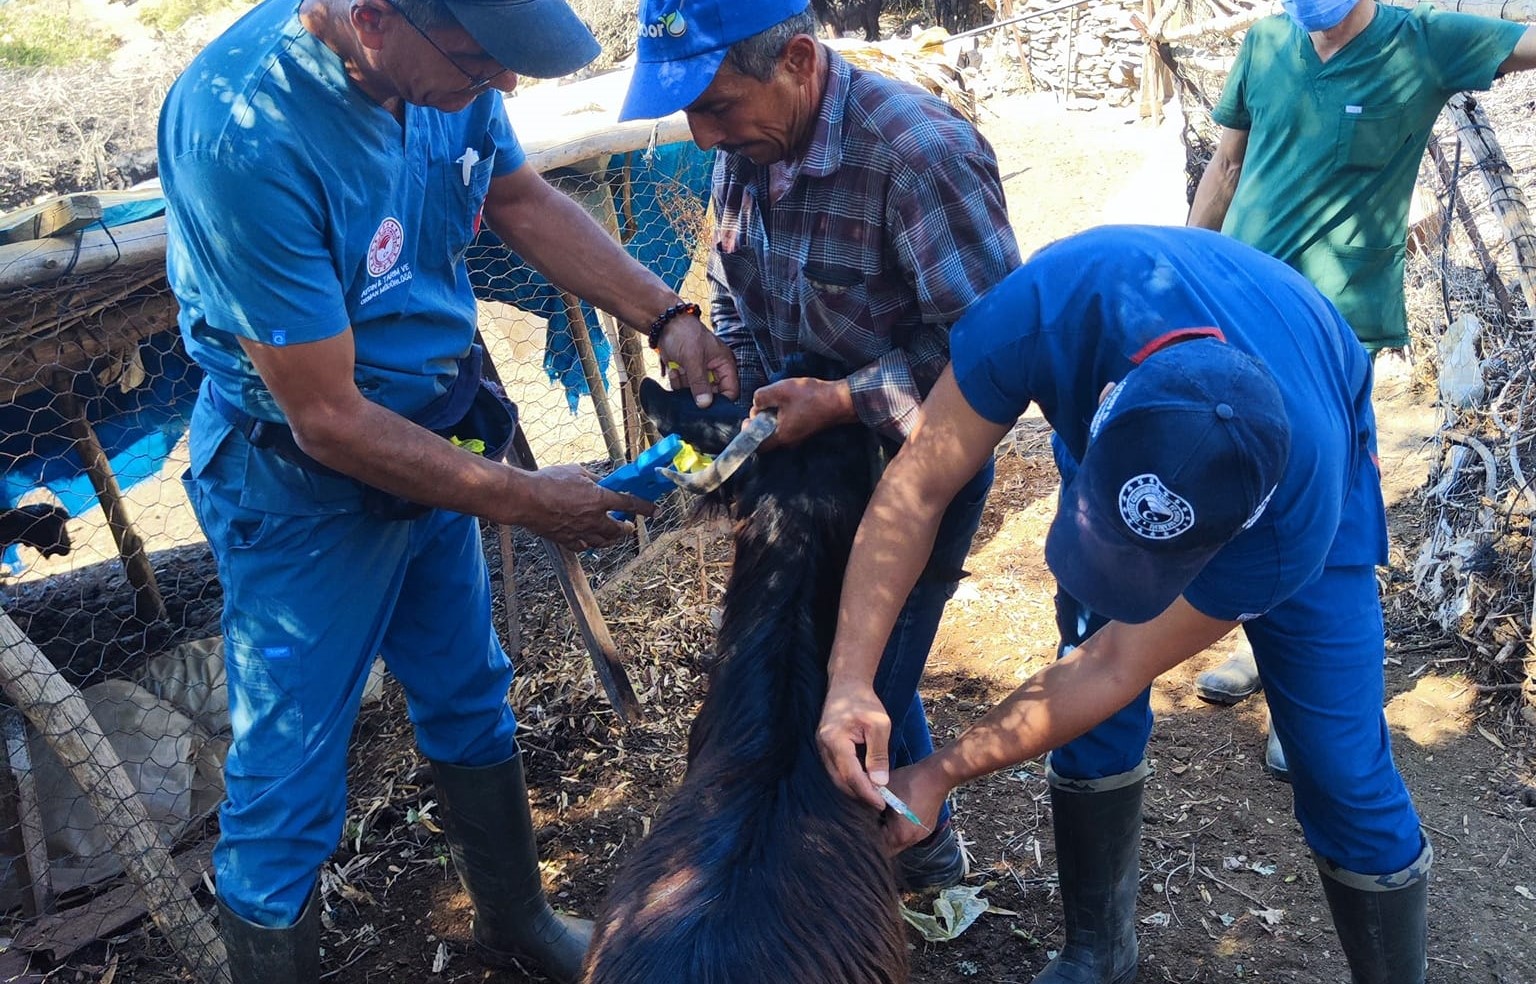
1334,148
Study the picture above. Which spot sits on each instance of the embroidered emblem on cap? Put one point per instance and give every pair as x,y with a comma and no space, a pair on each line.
385,246
1152,510
673,25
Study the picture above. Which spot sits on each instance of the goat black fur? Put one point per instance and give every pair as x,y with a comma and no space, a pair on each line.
841,16
42,527
758,870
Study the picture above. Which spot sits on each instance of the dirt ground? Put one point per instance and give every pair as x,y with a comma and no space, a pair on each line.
1228,889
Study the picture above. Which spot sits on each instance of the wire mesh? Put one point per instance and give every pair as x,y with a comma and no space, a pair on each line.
103,568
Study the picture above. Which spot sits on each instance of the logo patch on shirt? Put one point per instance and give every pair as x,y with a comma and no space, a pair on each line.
1152,510
385,247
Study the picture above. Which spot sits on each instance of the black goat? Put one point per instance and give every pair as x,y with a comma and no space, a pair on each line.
840,16
758,870
40,526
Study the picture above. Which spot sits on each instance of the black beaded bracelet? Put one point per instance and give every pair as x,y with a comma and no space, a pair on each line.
653,333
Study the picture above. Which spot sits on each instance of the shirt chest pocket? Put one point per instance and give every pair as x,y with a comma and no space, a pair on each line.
839,317
467,180
1368,138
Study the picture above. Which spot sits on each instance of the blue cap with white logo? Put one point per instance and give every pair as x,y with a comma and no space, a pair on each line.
682,44
1182,456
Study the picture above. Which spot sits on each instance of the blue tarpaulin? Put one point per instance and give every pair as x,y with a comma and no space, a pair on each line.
137,429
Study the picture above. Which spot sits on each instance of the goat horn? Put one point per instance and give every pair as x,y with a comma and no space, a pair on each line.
735,454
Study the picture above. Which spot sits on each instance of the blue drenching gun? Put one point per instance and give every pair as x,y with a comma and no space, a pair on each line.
644,478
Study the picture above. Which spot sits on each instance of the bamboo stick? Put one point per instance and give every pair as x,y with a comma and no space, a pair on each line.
58,713
594,375
1232,24
509,607
148,606
1504,194
584,608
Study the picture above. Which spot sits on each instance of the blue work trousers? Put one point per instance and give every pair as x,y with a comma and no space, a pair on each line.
313,589
906,651
1319,655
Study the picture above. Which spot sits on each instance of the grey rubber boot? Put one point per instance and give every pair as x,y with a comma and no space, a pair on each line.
1381,920
490,838
1274,757
1098,852
1235,680
258,955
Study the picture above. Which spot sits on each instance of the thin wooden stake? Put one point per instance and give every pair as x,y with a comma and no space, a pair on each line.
58,713
594,377
29,813
148,606
1469,225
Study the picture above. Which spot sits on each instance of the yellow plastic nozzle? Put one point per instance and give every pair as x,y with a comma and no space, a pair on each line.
690,459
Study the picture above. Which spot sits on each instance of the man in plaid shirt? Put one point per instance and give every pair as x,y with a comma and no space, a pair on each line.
856,218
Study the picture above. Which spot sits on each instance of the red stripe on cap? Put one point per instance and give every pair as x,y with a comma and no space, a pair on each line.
1172,337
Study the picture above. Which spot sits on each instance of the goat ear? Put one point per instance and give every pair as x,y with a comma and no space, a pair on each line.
709,429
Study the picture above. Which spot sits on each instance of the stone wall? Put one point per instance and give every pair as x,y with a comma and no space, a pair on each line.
1106,48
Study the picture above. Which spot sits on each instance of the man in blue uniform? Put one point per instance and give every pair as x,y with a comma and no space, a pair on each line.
326,164
1214,432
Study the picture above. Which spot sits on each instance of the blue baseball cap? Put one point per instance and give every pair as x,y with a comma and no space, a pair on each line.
542,39
1182,456
683,42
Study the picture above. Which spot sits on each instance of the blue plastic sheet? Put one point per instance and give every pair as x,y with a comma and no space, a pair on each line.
137,429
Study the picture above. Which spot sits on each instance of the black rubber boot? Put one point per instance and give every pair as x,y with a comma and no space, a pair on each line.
258,955
1098,851
490,838
1381,920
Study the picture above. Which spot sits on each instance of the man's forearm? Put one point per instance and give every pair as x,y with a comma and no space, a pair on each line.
557,237
1213,197
378,447
1077,692
1218,185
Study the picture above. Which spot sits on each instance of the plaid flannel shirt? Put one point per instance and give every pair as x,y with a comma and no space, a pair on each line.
894,223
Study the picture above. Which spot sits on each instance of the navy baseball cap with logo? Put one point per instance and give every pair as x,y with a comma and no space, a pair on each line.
1182,456
543,39
682,44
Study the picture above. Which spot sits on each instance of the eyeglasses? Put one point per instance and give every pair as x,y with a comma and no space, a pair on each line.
477,83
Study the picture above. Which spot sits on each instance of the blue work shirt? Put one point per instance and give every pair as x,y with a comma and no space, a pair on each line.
298,206
1086,310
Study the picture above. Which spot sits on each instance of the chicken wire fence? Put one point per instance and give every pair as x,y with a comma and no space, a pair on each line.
1467,568
115,717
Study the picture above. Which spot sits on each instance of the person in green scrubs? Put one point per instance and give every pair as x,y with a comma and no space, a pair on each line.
1324,119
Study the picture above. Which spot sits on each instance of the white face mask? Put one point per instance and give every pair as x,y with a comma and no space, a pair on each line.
1318,15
